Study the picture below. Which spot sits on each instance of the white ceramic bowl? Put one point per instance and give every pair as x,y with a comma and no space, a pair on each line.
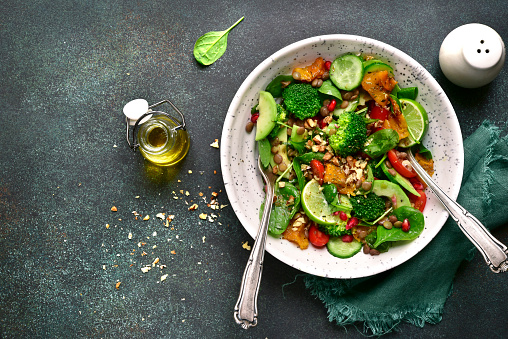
244,185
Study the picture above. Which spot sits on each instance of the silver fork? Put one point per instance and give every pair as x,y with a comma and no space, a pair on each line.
246,308
493,251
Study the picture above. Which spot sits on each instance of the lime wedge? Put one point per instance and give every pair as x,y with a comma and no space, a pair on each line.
407,142
315,205
416,118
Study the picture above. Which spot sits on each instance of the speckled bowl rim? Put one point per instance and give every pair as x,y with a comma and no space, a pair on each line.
244,185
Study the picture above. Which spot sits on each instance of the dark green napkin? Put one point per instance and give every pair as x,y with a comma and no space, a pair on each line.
415,292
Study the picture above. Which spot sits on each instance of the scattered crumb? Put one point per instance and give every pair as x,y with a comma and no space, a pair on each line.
246,246
203,216
215,144
145,269
114,209
164,277
146,217
118,285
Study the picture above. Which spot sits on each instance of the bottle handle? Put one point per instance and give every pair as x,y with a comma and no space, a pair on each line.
182,125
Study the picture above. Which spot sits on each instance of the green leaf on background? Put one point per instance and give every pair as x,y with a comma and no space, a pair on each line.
212,45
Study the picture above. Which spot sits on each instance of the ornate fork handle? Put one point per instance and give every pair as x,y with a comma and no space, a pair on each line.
493,251
246,309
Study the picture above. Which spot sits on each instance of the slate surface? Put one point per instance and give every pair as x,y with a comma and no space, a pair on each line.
68,67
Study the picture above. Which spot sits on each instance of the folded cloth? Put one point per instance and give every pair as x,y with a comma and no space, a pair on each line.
381,302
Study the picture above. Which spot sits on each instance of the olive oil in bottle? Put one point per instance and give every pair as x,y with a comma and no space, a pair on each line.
162,144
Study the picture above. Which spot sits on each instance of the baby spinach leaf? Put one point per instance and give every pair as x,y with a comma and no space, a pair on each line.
265,151
212,45
275,86
419,148
329,88
284,209
380,142
416,220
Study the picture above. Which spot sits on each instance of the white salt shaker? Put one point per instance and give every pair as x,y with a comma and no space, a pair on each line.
472,55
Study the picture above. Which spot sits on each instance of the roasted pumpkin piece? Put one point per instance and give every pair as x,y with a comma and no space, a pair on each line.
295,232
311,72
379,85
336,175
398,124
427,164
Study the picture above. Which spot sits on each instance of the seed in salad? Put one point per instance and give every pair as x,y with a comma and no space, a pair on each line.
388,225
406,226
366,249
297,75
324,111
344,104
347,96
331,105
397,224
343,216
277,158
249,127
347,238
352,223
366,185
373,251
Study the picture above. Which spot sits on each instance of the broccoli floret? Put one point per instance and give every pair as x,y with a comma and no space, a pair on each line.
368,207
336,230
281,118
302,100
350,136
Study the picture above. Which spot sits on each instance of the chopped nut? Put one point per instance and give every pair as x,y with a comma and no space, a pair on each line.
203,216
114,209
118,285
155,262
160,215
130,235
246,246
164,277
145,269
215,144
146,217
193,207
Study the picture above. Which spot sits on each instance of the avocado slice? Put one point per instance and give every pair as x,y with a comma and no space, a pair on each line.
385,188
399,179
283,150
267,108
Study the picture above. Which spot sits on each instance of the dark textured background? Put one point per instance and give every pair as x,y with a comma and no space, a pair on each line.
66,70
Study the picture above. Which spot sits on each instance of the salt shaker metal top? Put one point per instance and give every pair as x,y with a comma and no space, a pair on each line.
472,55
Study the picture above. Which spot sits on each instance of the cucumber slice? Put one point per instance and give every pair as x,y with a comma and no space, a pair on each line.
346,72
378,66
341,249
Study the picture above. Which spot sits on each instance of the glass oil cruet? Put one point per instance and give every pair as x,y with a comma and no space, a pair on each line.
162,139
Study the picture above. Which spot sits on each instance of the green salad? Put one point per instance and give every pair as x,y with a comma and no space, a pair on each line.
336,133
